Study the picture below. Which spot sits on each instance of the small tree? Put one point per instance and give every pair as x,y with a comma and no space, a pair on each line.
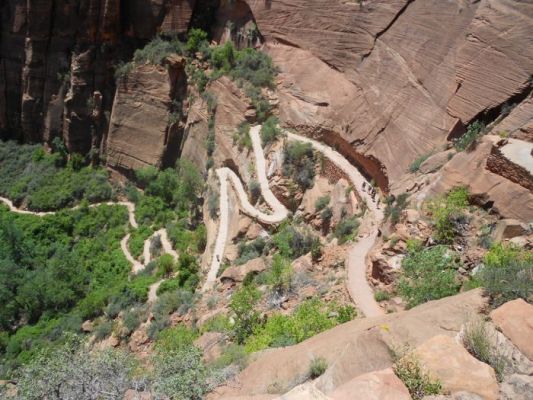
243,304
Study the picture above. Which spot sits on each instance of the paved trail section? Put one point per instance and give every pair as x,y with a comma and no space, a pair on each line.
519,152
358,286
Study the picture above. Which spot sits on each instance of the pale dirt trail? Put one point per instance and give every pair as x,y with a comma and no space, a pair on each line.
358,286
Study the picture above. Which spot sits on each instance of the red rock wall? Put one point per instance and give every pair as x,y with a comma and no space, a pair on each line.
395,78
55,54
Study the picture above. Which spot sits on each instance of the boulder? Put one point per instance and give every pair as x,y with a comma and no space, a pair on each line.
515,320
303,264
456,368
378,385
138,340
307,391
517,387
354,348
508,229
237,273
211,345
87,326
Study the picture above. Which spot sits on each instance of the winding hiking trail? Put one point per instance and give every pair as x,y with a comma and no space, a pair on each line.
358,286
136,266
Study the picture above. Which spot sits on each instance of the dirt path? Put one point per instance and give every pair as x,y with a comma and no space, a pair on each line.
358,286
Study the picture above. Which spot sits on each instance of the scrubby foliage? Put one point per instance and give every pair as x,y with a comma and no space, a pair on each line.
242,136
507,274
299,163
419,383
317,367
48,181
71,372
270,130
446,212
428,274
243,304
249,251
292,241
415,165
480,341
474,131
394,207
280,275
346,229
310,318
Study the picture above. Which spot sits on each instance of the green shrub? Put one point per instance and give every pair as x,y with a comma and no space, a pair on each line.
428,274
322,202
345,313
175,339
346,229
103,330
293,242
255,190
299,163
415,165
270,130
165,265
317,367
242,136
157,50
381,295
310,318
251,250
394,207
418,382
218,323
473,132
101,374
195,39
232,354
242,304
132,319
507,274
280,275
181,375
481,342
445,211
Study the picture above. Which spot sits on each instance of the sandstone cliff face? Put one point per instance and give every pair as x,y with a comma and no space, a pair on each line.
55,54
407,74
143,129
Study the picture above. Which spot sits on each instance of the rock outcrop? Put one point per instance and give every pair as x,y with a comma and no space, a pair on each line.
142,131
469,168
352,349
456,368
408,74
515,320
55,54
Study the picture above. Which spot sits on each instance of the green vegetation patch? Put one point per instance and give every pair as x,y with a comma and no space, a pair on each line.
48,181
428,274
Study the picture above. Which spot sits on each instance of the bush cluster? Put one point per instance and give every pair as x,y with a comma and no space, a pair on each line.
473,132
299,163
48,181
428,274
446,211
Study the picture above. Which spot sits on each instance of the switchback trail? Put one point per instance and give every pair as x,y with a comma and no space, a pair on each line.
358,286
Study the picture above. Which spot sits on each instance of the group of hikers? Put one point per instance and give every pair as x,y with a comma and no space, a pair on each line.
371,191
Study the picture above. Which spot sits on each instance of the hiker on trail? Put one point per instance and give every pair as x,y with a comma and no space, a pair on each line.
364,186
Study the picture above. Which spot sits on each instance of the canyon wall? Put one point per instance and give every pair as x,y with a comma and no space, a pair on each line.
385,81
55,54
